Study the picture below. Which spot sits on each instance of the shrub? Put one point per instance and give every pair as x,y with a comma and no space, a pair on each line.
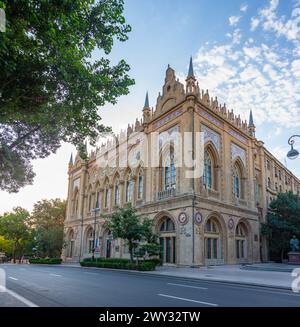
157,261
115,260
49,261
119,264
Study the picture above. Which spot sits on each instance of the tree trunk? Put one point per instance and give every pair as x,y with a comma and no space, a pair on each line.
130,245
281,254
14,253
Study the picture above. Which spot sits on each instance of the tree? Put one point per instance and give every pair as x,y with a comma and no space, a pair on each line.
14,227
283,221
47,220
125,223
6,245
51,86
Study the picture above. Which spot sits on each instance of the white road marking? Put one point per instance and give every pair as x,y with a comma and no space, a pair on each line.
55,275
13,278
19,297
188,300
190,286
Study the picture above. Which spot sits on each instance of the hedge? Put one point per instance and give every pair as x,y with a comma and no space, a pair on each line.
112,260
50,261
142,266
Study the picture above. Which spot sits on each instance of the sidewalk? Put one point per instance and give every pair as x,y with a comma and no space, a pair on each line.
232,274
263,274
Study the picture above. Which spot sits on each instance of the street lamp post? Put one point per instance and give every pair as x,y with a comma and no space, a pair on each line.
95,210
293,153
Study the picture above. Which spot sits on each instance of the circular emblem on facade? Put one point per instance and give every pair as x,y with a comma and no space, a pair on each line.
183,218
198,218
230,223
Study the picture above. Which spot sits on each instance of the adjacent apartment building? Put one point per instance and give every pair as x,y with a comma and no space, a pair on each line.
210,219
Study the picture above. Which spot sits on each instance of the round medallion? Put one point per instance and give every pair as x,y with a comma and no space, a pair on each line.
183,218
230,223
198,218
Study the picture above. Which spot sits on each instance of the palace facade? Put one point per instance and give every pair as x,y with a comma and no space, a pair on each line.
206,220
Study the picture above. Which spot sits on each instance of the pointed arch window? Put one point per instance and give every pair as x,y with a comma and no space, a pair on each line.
106,196
170,172
75,204
208,173
129,188
90,203
97,204
117,192
141,184
237,181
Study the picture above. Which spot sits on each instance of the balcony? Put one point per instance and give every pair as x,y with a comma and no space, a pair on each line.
166,194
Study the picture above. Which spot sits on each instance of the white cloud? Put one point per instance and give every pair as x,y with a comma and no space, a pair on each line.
296,68
252,53
262,74
281,25
254,23
244,7
233,20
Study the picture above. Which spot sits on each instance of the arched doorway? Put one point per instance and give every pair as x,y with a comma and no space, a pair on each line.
70,244
213,242
241,242
167,240
108,244
89,242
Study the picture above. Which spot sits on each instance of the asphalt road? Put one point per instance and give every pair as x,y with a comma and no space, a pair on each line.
35,285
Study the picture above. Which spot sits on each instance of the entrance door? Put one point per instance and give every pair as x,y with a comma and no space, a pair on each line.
108,248
168,249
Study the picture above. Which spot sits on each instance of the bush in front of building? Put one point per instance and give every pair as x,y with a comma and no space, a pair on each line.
115,263
113,260
46,261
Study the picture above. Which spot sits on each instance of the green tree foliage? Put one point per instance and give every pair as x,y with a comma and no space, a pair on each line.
54,77
283,221
47,221
6,245
125,223
15,228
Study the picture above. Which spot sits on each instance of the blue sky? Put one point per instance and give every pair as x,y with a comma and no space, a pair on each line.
245,52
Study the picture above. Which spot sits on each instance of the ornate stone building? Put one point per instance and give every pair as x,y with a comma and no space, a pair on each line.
213,219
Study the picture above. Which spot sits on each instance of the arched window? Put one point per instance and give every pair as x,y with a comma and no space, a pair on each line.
213,241
129,188
90,203
237,181
167,240
208,170
90,240
76,203
170,172
70,246
141,184
117,192
167,225
97,203
106,196
241,241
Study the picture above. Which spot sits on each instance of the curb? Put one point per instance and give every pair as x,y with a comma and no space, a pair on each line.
157,275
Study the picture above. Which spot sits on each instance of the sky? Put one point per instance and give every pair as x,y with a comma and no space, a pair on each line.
247,53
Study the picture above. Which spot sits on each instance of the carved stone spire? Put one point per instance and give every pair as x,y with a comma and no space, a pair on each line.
191,80
251,126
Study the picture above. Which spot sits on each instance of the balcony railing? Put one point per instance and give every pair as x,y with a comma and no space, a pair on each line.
166,194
